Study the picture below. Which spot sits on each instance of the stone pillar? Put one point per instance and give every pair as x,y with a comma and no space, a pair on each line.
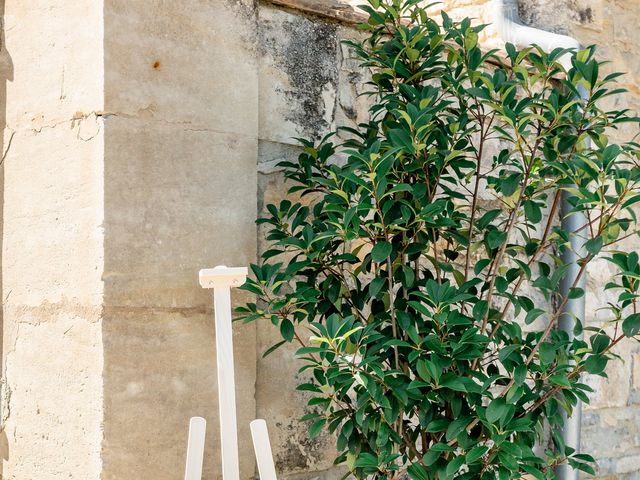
181,115
131,144
53,239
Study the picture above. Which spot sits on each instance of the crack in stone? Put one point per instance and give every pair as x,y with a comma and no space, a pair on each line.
142,113
6,150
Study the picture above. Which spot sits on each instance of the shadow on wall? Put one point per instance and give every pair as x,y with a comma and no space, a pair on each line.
6,75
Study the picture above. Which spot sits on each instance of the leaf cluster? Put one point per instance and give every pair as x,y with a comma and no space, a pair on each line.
421,278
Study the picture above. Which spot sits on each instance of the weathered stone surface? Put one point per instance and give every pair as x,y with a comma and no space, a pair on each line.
309,83
609,434
139,137
629,464
193,69
160,371
181,138
612,412
52,404
155,203
277,400
281,405
614,390
165,191
129,160
54,73
636,370
298,75
52,418
344,10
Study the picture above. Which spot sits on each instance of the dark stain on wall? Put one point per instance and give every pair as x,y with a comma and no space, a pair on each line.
300,453
305,50
586,15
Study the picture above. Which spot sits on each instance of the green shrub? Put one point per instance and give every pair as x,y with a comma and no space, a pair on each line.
416,277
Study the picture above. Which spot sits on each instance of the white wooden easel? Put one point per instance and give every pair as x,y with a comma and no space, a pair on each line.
221,279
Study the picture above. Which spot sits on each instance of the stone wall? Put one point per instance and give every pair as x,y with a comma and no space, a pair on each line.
181,116
139,141
610,426
52,404
129,155
309,84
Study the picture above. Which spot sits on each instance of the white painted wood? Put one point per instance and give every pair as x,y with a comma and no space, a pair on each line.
262,447
226,384
222,276
195,448
221,279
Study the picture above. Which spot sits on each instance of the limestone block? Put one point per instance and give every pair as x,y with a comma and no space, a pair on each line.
605,469
278,402
160,371
52,401
636,370
298,75
181,113
53,215
176,200
612,391
628,464
55,53
623,24
353,105
270,154
618,427
281,406
171,189
562,16
599,273
188,63
53,382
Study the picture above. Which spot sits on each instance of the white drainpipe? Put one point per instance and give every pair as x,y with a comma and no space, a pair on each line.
512,30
